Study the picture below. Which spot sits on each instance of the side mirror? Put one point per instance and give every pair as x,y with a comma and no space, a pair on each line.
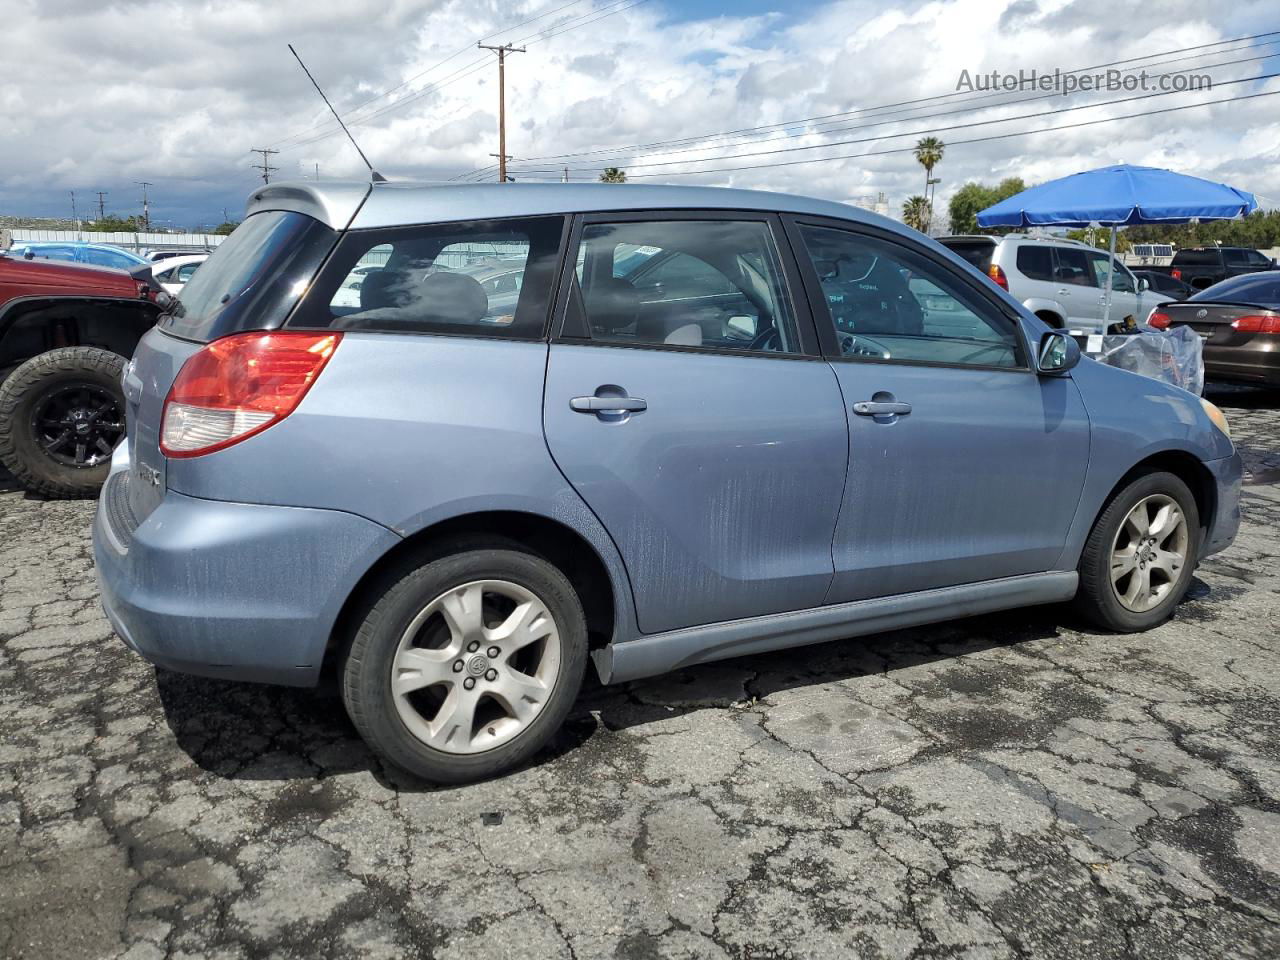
1143,285
1058,353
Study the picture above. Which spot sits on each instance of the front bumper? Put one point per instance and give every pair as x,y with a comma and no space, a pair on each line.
1227,474
233,590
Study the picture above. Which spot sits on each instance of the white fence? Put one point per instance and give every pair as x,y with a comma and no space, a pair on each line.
129,241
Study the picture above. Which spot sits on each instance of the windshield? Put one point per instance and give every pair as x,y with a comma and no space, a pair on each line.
253,279
1259,288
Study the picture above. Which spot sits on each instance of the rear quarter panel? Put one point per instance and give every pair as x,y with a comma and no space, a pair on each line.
1131,418
408,431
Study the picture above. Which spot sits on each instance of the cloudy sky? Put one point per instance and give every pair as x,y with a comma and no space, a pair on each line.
98,94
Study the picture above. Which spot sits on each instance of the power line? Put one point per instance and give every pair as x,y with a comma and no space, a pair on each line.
264,166
404,83
908,104
932,130
574,23
956,143
971,108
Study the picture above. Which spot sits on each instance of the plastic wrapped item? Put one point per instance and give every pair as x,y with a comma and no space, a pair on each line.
1175,355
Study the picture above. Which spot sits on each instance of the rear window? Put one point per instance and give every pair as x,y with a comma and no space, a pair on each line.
253,279
1036,263
977,252
1196,258
488,278
1260,288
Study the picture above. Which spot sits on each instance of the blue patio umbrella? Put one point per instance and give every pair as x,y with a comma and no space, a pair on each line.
1118,196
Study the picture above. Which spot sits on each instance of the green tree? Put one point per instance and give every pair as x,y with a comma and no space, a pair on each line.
973,197
222,229
928,153
915,213
613,175
113,223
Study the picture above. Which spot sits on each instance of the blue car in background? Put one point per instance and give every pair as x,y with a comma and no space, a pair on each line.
94,254
657,427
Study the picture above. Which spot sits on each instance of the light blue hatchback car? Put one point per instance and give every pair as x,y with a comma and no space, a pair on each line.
702,423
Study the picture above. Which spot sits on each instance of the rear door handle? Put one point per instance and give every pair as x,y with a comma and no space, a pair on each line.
878,408
608,404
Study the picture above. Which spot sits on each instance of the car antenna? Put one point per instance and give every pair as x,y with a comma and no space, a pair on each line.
374,174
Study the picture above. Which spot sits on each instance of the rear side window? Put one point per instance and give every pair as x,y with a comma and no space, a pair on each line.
489,278
1072,267
977,252
253,279
1196,258
1036,263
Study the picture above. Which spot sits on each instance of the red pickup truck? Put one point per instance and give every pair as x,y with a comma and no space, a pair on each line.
66,331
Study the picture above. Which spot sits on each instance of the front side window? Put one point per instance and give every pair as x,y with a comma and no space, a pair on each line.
888,302
715,284
475,278
1102,265
1072,267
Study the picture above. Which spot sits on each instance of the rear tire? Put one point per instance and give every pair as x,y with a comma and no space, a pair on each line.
466,665
55,411
1141,554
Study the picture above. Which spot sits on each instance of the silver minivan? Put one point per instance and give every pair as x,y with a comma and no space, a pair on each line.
1061,281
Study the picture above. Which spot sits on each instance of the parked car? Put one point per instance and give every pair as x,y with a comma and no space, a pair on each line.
173,273
1239,322
1061,281
94,254
348,294
1202,267
749,438
155,256
65,332
1164,285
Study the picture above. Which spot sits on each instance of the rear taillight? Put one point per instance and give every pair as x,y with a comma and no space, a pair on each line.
997,275
1160,321
1175,273
1256,324
239,386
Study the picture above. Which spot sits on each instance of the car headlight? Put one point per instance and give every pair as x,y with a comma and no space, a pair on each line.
1217,416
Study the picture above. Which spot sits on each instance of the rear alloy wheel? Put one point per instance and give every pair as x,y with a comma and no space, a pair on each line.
1141,554
61,416
467,665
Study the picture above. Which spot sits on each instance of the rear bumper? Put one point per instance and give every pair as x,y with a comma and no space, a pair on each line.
233,590
1252,362
1226,474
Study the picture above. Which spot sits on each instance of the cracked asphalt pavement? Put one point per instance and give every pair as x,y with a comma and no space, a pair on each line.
1005,786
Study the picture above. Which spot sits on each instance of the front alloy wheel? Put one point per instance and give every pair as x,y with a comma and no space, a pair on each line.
1139,558
1149,552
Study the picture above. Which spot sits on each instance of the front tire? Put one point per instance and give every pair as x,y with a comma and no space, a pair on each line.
1141,554
61,415
466,665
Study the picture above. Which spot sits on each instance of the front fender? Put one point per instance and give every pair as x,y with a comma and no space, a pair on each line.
1133,418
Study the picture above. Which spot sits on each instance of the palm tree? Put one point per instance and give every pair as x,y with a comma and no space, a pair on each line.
929,151
915,213
613,175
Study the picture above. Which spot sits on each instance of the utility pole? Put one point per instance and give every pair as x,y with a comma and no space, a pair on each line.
74,216
502,52
265,165
565,178
102,204
146,207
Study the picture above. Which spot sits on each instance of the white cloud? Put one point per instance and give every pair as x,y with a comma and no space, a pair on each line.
97,95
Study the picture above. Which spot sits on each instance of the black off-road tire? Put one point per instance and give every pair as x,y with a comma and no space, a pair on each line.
21,392
394,602
1096,599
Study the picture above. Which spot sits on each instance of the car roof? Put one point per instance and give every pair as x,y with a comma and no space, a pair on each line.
354,205
1016,237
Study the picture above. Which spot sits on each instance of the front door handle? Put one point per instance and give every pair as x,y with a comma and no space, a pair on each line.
880,408
608,404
